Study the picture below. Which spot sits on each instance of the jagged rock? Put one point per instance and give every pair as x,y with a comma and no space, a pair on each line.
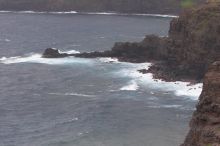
205,123
53,53
192,45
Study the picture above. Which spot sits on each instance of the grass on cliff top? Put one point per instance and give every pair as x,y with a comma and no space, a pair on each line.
187,3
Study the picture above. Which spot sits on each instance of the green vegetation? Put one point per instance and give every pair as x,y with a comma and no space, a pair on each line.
187,3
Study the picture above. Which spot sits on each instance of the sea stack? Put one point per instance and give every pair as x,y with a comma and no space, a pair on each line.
53,53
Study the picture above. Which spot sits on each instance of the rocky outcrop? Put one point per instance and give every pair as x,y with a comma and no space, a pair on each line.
53,53
192,45
124,6
205,123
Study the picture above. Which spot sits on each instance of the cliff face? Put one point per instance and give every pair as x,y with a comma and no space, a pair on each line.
125,6
192,45
195,37
205,124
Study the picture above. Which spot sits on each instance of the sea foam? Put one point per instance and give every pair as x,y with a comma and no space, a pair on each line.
109,60
132,86
36,58
146,80
91,13
73,94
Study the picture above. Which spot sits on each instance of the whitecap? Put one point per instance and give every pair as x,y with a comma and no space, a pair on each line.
164,106
101,13
109,60
64,12
27,12
72,94
157,15
5,11
36,58
131,14
92,13
7,40
132,86
70,52
74,119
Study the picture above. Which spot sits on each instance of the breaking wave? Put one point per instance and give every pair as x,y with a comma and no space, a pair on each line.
147,80
36,58
73,94
91,13
132,86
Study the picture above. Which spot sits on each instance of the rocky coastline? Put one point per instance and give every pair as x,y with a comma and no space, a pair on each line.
186,54
192,45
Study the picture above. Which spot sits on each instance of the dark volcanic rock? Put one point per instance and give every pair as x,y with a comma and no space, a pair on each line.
205,123
192,45
53,53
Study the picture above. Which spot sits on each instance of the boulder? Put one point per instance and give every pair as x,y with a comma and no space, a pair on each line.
53,53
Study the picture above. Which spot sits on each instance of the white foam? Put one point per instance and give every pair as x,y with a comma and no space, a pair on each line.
179,88
73,94
5,11
165,106
157,15
67,12
27,12
101,13
91,13
146,80
70,52
132,86
109,60
7,40
36,58
131,14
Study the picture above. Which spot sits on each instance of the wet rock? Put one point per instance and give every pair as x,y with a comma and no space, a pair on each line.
53,53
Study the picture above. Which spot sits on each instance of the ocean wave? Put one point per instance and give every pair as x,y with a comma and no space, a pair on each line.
70,52
146,80
36,58
132,86
5,40
92,13
165,106
67,12
131,14
109,60
157,15
101,13
72,94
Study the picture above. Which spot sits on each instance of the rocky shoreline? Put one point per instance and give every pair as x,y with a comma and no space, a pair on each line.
187,54
192,45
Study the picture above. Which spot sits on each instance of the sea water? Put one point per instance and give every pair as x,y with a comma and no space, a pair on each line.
85,102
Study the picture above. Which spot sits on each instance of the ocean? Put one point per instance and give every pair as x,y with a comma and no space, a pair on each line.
85,102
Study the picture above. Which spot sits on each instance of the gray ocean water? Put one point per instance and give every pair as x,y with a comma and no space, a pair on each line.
82,102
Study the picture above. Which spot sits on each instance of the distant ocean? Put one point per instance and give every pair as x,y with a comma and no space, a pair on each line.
85,102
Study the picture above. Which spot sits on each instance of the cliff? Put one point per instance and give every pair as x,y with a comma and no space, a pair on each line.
192,45
205,123
124,6
195,38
